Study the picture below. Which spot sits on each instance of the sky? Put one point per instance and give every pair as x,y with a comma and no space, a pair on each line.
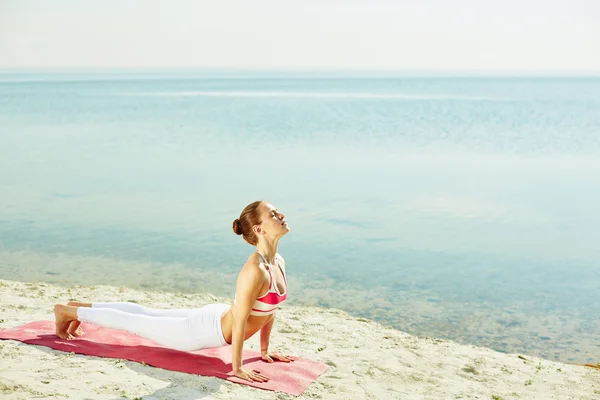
508,35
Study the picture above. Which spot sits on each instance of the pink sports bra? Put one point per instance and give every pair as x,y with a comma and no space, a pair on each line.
268,303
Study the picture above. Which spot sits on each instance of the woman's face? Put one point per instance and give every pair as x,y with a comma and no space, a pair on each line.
273,221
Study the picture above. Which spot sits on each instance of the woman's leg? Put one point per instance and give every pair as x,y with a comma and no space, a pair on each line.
174,332
134,308
129,307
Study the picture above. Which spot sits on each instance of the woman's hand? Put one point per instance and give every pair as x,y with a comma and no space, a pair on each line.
252,376
271,357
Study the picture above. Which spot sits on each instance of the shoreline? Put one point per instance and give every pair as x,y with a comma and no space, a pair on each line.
366,359
510,329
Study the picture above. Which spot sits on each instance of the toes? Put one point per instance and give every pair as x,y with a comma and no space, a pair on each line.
78,332
65,336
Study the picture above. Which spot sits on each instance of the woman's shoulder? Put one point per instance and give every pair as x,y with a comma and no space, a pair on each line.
256,264
254,261
253,270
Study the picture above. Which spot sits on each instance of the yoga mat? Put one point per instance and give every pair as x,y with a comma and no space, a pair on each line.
292,378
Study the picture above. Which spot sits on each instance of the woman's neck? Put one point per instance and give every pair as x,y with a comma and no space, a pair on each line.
268,248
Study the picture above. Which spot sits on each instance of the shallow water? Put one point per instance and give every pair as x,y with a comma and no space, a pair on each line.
451,207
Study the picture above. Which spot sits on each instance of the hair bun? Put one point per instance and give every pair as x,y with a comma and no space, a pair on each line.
237,227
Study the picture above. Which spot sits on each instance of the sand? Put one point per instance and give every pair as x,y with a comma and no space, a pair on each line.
367,360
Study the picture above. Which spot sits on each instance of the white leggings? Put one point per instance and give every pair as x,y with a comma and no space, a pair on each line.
179,329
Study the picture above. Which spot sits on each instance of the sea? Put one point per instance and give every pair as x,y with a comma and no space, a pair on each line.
461,207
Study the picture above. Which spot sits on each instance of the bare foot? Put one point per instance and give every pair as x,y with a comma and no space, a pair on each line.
62,322
74,328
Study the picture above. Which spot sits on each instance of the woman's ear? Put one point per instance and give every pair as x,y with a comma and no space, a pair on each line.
257,229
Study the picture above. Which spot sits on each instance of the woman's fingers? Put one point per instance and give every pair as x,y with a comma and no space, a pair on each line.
282,357
256,375
252,376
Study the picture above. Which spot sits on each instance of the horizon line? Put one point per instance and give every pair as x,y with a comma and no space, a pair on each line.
312,70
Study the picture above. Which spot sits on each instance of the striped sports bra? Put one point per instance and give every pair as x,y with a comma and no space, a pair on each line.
268,303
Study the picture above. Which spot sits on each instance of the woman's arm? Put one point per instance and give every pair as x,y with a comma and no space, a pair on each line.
249,283
265,333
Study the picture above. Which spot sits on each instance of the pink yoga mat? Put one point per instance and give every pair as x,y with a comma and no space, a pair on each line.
292,378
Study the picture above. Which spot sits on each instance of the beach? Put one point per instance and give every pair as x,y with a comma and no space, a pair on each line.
366,360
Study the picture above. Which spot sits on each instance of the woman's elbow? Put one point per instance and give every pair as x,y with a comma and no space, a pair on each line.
240,315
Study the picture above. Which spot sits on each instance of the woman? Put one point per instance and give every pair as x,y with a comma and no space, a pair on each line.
261,287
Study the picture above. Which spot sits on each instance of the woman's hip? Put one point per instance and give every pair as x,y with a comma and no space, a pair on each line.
206,325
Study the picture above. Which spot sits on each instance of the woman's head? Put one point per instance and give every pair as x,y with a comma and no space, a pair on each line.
260,219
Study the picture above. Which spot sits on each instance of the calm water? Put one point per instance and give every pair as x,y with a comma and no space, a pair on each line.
464,208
